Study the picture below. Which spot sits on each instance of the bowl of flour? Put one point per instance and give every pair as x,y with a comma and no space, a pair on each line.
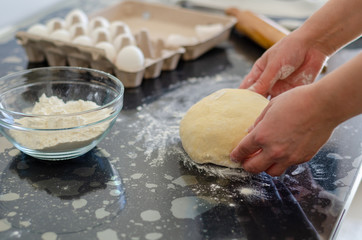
57,113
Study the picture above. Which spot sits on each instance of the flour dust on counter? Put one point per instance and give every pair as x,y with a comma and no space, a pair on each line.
150,215
49,236
215,125
4,144
191,206
158,122
108,234
153,142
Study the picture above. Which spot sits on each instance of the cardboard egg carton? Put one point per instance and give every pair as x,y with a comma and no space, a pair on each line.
60,53
164,34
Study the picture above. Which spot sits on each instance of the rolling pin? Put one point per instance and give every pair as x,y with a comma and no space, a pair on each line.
262,30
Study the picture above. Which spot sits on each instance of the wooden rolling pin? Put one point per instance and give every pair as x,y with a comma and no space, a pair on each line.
260,29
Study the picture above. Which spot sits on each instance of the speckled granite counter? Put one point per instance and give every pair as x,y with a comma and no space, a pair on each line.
133,185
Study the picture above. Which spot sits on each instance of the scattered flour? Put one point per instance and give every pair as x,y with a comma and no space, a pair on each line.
153,236
69,138
4,144
185,180
79,203
49,236
9,197
150,215
304,78
115,192
285,71
335,156
13,152
12,59
25,223
137,176
4,225
101,213
11,214
191,206
151,185
247,191
108,234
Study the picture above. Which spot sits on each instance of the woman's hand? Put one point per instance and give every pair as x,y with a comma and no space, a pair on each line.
288,64
290,130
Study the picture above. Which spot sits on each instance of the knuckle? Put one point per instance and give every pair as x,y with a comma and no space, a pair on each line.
252,167
260,139
277,152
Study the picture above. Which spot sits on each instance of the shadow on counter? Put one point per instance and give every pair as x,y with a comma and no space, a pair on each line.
62,197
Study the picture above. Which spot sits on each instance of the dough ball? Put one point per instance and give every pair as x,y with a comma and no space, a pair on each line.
214,126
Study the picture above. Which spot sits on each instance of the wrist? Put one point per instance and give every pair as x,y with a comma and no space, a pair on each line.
333,26
313,38
325,105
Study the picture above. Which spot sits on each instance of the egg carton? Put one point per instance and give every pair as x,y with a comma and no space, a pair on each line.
60,53
163,34
196,31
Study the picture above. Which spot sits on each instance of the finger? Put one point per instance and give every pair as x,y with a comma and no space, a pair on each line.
244,149
258,163
247,81
258,119
251,77
251,128
266,80
261,116
276,169
280,87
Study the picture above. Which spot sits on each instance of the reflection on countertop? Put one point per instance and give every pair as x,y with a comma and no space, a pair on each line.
134,185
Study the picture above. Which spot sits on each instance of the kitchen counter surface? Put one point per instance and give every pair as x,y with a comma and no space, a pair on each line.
134,184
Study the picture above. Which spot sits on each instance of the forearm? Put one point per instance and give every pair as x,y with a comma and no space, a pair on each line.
336,24
340,92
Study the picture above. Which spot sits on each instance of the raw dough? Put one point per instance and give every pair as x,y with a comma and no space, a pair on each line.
214,126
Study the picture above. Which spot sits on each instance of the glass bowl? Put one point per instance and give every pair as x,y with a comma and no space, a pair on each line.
57,113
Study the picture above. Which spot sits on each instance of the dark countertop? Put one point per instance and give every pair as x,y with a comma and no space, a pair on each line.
133,185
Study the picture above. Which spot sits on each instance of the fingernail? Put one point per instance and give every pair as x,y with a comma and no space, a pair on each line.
233,159
250,128
252,88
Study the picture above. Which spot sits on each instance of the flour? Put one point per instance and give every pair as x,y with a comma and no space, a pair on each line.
157,123
59,116
285,71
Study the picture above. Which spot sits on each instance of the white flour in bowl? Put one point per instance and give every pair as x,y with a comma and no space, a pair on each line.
66,139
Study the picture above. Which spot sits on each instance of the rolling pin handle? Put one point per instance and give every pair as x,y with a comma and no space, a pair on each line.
262,30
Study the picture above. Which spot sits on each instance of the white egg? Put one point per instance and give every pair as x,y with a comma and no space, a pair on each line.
109,50
55,24
118,27
75,16
123,40
61,34
130,59
83,40
38,29
98,22
78,29
100,34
